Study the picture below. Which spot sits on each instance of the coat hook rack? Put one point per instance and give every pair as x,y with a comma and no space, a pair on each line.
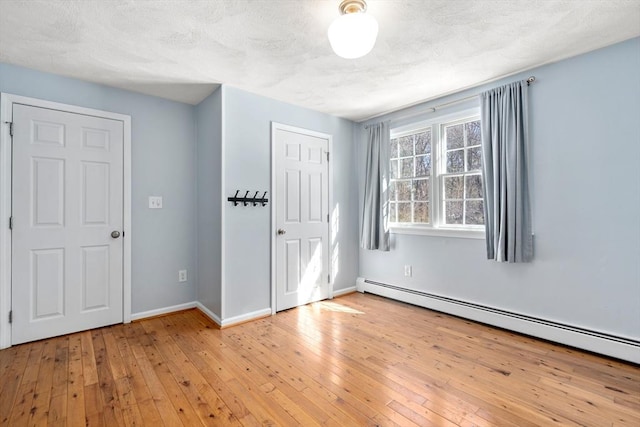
246,200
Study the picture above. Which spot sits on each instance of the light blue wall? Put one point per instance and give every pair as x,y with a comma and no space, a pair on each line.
209,183
585,170
163,163
247,145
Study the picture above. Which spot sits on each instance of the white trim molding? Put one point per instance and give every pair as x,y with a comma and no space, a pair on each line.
436,231
247,317
210,314
344,291
223,202
599,342
232,321
163,310
6,116
5,214
127,228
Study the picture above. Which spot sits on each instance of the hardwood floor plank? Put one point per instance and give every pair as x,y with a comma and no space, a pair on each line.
111,408
43,390
289,386
75,388
313,405
17,358
246,374
235,403
57,412
299,381
357,360
6,359
114,359
161,399
133,388
21,410
176,393
93,405
58,405
89,370
209,405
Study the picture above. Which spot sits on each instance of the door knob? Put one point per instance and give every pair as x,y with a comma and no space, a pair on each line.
115,234
281,231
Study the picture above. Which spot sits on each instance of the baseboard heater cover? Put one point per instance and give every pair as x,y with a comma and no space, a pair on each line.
599,342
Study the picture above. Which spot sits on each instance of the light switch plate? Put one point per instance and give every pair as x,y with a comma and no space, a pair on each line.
155,202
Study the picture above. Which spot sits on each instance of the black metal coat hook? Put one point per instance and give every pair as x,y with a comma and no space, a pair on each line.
246,200
235,198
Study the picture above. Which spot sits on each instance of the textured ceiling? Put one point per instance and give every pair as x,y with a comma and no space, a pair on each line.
181,49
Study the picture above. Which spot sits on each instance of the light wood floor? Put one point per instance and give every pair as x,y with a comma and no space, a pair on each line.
359,360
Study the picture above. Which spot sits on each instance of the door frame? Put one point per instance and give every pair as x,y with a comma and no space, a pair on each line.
6,174
275,126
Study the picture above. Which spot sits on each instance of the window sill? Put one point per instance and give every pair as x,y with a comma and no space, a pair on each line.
441,232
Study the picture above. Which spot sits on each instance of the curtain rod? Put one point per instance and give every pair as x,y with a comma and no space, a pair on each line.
433,109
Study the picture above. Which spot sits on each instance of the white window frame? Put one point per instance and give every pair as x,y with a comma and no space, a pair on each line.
438,166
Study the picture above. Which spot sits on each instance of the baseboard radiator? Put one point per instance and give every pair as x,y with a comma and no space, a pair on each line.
598,342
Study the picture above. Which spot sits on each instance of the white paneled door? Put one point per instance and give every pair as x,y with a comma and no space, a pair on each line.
302,217
67,199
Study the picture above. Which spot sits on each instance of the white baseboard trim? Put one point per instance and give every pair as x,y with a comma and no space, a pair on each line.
254,315
598,342
340,292
163,310
210,314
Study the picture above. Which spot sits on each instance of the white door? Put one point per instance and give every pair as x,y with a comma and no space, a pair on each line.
302,217
67,200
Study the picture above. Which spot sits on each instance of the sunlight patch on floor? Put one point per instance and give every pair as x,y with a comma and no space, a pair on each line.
339,308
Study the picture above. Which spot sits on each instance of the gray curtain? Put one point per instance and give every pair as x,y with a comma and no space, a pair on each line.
374,233
507,211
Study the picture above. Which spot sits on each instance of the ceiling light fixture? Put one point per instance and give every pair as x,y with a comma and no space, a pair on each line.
353,33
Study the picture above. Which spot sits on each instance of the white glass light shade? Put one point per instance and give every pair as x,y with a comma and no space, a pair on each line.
353,35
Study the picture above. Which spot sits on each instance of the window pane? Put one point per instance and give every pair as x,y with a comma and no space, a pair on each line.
475,212
453,212
473,187
455,161
404,190
393,148
421,187
392,212
455,137
474,158
406,146
406,168
394,169
392,190
423,142
473,132
421,212
404,212
423,165
453,187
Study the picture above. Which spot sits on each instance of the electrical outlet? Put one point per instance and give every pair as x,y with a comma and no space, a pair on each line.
155,202
407,271
182,276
